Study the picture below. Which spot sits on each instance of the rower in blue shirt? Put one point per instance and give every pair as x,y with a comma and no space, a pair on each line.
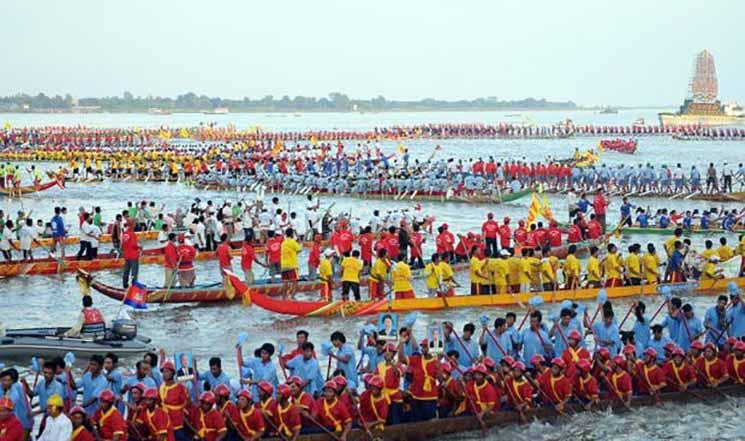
215,375
641,328
642,218
736,312
142,375
47,386
669,322
345,358
500,335
260,368
626,211
658,342
606,331
11,388
563,326
688,220
114,377
715,321
690,327
535,340
306,367
466,345
94,382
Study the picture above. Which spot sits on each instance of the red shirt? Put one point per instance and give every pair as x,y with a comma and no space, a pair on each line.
505,235
540,236
186,254
79,434
678,375
520,391
289,419
11,429
594,229
207,425
574,234
305,402
366,242
521,235
416,244
158,423
334,415
171,255
557,389
712,370
647,375
314,257
391,245
374,409
248,255
622,385
450,394
109,424
223,256
586,387
249,422
490,228
130,245
554,237
482,396
424,377
736,369
342,240
599,204
174,399
274,249
571,357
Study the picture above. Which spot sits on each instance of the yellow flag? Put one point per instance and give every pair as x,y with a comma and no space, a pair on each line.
313,140
183,133
534,210
277,147
546,212
401,149
6,126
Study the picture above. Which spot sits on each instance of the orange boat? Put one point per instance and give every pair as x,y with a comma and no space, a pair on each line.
74,240
28,189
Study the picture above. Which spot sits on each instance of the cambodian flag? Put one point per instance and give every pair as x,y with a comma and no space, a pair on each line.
136,296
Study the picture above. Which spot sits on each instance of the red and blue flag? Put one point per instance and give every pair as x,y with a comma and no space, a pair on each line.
136,296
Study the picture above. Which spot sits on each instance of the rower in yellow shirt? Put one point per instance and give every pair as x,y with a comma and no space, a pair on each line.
514,266
480,282
525,271
548,275
350,276
378,274
289,251
612,267
710,270
725,251
670,243
651,262
535,270
401,276
633,266
432,276
594,276
326,273
572,269
499,269
447,279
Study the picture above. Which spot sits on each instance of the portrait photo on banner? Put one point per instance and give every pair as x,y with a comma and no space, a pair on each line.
434,335
388,326
183,364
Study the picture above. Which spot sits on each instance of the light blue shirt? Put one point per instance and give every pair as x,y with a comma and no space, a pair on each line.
606,336
642,335
133,380
468,351
493,351
711,320
92,388
214,381
695,327
673,327
659,346
43,391
309,371
21,407
533,344
261,372
349,367
736,314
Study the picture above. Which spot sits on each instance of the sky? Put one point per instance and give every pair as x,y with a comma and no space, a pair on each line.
597,52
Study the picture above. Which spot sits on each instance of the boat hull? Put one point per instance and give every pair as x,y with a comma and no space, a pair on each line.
341,308
670,231
46,342
691,119
16,191
104,238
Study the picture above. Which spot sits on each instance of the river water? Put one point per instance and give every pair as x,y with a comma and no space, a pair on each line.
31,301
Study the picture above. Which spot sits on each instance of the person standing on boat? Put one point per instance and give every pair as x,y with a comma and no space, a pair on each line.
606,331
289,250
131,251
59,233
170,253
186,254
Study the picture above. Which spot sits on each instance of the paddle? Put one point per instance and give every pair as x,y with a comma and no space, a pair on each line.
628,313
269,421
601,299
326,352
667,294
534,302
242,338
71,396
281,351
36,368
322,427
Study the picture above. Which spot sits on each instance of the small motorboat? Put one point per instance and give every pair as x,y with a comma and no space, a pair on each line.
122,340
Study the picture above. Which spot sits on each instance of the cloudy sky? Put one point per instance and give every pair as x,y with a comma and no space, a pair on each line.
593,52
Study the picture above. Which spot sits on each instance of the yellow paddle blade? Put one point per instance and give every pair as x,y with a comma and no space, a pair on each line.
246,298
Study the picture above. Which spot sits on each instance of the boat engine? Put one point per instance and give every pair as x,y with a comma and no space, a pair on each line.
125,329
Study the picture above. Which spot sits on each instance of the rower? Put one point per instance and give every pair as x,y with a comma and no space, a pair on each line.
651,378
606,331
109,423
289,250
91,321
423,368
374,405
620,386
156,419
250,423
574,353
712,371
186,254
331,414
227,408
450,391
80,425
556,387
401,277
206,420
484,398
175,399
326,274
288,416
585,385
10,426
736,363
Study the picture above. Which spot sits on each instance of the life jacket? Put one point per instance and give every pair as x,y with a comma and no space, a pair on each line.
93,322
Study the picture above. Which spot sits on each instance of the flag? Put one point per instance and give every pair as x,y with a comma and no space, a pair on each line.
277,147
313,140
401,149
136,296
239,287
546,211
183,133
534,210
6,126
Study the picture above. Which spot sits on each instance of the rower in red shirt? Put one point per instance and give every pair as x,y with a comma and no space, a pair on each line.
79,421
585,385
450,391
505,234
490,231
594,229
170,253
679,373
223,255
345,398
620,384
651,377
267,404
540,235
519,390
227,408
374,405
331,413
553,234
736,363
250,422
711,369
108,420
521,234
302,400
574,232
556,387
288,415
422,371
248,258
186,255
10,427
391,244
574,353
484,398
206,420
155,418
174,396
365,242
344,239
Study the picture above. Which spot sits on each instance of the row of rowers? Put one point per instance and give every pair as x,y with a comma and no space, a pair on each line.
435,385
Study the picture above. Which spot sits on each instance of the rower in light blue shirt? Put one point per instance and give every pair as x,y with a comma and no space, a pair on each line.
606,333
94,382
261,368
715,321
307,368
736,313
658,342
345,358
503,345
690,327
641,329
465,345
215,375
48,386
534,340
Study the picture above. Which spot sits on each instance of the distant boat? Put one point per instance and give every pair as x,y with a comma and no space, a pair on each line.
513,115
217,111
158,111
608,110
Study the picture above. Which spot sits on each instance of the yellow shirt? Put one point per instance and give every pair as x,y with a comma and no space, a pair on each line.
593,270
633,266
670,245
651,263
514,264
612,267
571,266
725,253
401,275
709,271
710,252
325,271
289,251
446,272
499,271
477,266
524,270
351,267
535,270
432,273
379,270
547,272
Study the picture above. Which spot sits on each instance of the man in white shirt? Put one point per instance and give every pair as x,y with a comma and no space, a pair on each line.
57,426
27,235
91,232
